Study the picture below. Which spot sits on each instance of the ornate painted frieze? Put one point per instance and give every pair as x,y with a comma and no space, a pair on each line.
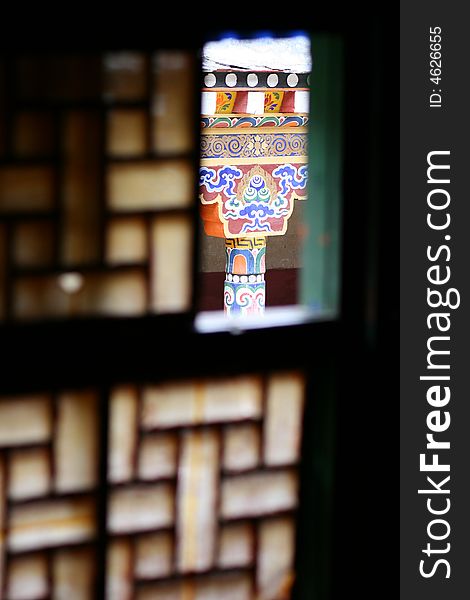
253,145
273,120
251,80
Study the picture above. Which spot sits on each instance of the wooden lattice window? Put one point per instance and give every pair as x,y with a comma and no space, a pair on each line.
199,493
96,184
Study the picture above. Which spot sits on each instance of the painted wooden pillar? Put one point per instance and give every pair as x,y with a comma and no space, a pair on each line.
253,168
244,286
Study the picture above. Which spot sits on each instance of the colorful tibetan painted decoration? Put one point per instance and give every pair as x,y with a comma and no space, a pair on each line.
244,287
253,169
273,101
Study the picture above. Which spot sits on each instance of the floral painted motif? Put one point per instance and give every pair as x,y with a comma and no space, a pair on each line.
225,102
273,101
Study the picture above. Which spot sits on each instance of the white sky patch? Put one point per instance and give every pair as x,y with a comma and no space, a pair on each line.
282,54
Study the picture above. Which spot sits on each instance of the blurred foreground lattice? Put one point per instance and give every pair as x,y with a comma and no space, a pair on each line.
96,184
200,494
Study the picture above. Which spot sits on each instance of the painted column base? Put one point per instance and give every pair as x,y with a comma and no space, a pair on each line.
244,287
244,294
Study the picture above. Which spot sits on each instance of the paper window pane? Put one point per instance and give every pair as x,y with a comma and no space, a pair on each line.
153,555
76,442
216,587
157,456
141,508
124,75
119,570
25,420
153,185
29,473
196,502
276,548
27,577
123,433
284,408
241,447
51,523
171,264
236,545
173,107
107,293
258,493
126,132
126,240
173,404
3,516
73,574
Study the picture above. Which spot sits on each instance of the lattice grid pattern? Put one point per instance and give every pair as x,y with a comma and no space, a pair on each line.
96,184
200,494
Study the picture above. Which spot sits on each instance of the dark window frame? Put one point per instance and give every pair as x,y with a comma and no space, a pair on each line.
337,356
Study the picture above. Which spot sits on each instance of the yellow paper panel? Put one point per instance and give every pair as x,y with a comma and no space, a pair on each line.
119,570
157,456
236,544
150,185
29,473
3,515
153,555
120,293
233,398
24,420
241,447
124,76
27,577
225,587
196,501
214,587
126,240
73,574
76,443
126,132
258,493
108,293
174,104
139,508
122,433
285,398
51,523
172,404
276,545
171,264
